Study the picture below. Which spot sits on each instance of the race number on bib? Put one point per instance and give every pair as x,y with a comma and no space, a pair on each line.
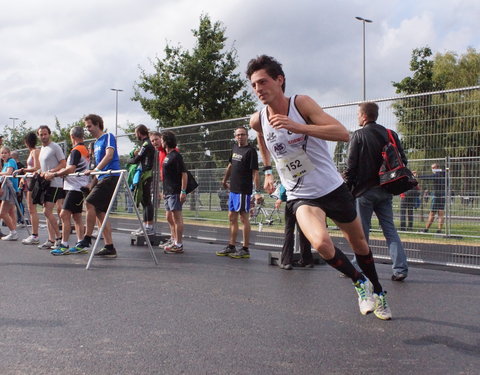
294,166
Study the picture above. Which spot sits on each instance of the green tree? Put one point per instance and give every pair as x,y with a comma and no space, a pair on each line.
446,124
13,137
197,86
442,117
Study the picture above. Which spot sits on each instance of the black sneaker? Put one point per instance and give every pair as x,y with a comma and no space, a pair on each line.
226,251
83,244
107,253
398,277
303,265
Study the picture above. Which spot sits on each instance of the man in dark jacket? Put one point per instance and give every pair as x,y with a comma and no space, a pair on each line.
363,162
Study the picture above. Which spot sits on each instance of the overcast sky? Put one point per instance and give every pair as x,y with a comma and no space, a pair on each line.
61,58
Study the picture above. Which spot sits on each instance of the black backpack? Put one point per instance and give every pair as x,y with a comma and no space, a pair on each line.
395,177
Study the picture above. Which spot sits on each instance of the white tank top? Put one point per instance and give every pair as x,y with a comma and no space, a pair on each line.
320,178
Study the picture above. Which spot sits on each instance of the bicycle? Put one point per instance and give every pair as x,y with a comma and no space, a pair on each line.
259,214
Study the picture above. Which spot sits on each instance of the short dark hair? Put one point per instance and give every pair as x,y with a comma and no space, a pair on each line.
95,119
241,127
271,66
169,138
30,140
142,129
370,109
41,127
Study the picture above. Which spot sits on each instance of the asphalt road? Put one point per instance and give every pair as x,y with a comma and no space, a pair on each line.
197,313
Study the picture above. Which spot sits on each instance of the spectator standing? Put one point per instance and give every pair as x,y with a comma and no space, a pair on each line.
241,174
409,201
286,259
144,159
20,208
437,206
52,159
98,200
77,162
8,194
174,191
363,163
33,165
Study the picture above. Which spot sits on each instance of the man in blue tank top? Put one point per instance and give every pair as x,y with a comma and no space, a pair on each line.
293,132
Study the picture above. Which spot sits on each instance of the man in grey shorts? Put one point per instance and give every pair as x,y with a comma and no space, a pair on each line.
174,191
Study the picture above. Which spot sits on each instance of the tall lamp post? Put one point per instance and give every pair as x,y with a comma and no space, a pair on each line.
13,121
364,84
116,109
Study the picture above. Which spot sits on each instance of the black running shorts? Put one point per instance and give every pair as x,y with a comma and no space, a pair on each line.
73,201
53,194
102,193
339,205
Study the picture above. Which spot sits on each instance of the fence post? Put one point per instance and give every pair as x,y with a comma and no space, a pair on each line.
448,197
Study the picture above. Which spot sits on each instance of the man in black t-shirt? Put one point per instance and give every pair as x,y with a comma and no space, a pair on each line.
174,191
242,172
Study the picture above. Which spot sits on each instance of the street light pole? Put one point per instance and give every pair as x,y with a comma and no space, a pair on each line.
364,20
116,109
13,121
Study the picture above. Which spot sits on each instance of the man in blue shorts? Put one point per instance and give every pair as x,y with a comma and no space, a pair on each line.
240,175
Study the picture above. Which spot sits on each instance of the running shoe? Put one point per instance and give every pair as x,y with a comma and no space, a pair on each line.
47,245
240,254
382,310
78,249
168,242
10,237
106,253
366,302
60,250
136,231
31,240
173,249
139,231
226,251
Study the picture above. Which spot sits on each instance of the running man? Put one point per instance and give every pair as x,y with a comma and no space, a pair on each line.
293,132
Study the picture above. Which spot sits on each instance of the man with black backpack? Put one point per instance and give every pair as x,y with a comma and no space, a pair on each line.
363,164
